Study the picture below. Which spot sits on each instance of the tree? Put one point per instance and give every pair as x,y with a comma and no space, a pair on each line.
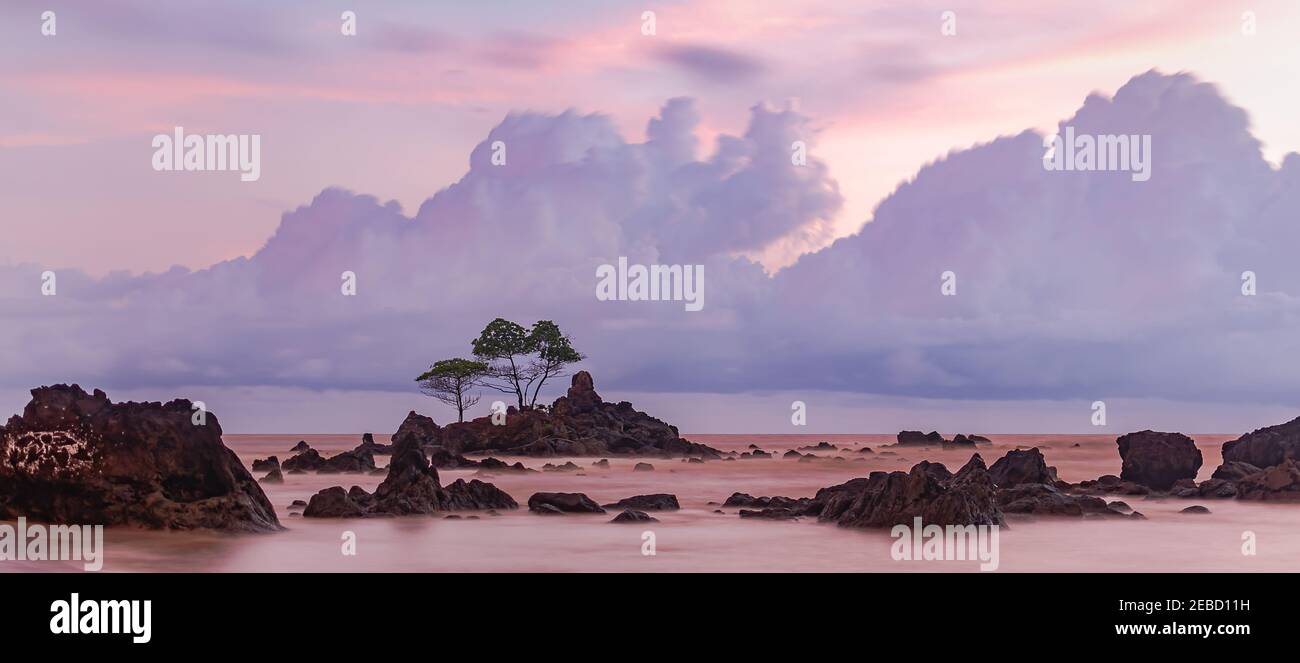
450,380
554,352
503,346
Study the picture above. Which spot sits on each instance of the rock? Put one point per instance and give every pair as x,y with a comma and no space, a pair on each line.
73,457
603,463
577,424
300,447
631,516
655,502
274,476
421,430
1109,484
491,464
562,503
297,503
865,450
1280,482
1018,467
1047,500
958,442
1265,447
1157,460
792,454
1195,509
303,461
347,462
1119,506
928,491
446,460
778,502
770,514
1234,470
643,467
266,465
1218,488
915,438
368,445
411,487
820,446
567,467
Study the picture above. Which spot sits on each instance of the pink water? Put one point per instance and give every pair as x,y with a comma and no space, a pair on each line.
696,539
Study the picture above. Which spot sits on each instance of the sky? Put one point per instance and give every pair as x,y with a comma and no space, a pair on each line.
671,147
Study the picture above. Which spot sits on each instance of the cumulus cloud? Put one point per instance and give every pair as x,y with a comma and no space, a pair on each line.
1069,284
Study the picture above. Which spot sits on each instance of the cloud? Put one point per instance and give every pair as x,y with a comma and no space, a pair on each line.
710,63
1071,285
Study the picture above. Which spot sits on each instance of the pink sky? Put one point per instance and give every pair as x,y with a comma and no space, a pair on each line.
394,111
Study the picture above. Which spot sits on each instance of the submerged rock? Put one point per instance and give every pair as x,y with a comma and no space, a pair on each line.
631,516
928,491
915,438
655,502
266,465
1020,467
548,503
73,457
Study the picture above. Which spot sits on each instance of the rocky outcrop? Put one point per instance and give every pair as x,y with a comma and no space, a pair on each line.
915,438
1234,470
557,503
73,457
300,447
929,491
274,476
1157,460
1279,483
266,465
1043,499
577,424
411,487
368,445
1021,466
778,502
346,462
655,502
1265,447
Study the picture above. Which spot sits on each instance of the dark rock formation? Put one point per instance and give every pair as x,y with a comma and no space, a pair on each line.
1234,470
446,460
368,445
778,502
567,467
820,446
308,460
1157,460
1280,482
266,465
1042,499
410,488
792,454
491,464
555,503
300,447
1109,484
655,502
643,467
274,476
1195,509
73,457
631,516
915,438
770,514
928,491
1021,466
577,424
344,462
1265,447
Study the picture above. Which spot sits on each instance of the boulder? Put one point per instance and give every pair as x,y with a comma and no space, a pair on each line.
1234,470
368,445
1043,499
1156,459
643,467
549,503
1280,482
915,438
655,502
73,457
266,465
274,476
631,516
1021,466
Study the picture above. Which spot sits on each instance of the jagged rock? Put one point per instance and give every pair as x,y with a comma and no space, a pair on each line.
1265,447
274,476
778,502
567,467
300,447
419,429
562,503
655,502
348,462
446,460
73,457
643,467
1109,484
1280,482
266,465
928,491
603,463
1021,466
915,438
309,460
411,487
491,464
630,516
1157,460
958,442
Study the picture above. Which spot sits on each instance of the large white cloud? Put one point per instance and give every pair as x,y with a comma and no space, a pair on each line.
1070,284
